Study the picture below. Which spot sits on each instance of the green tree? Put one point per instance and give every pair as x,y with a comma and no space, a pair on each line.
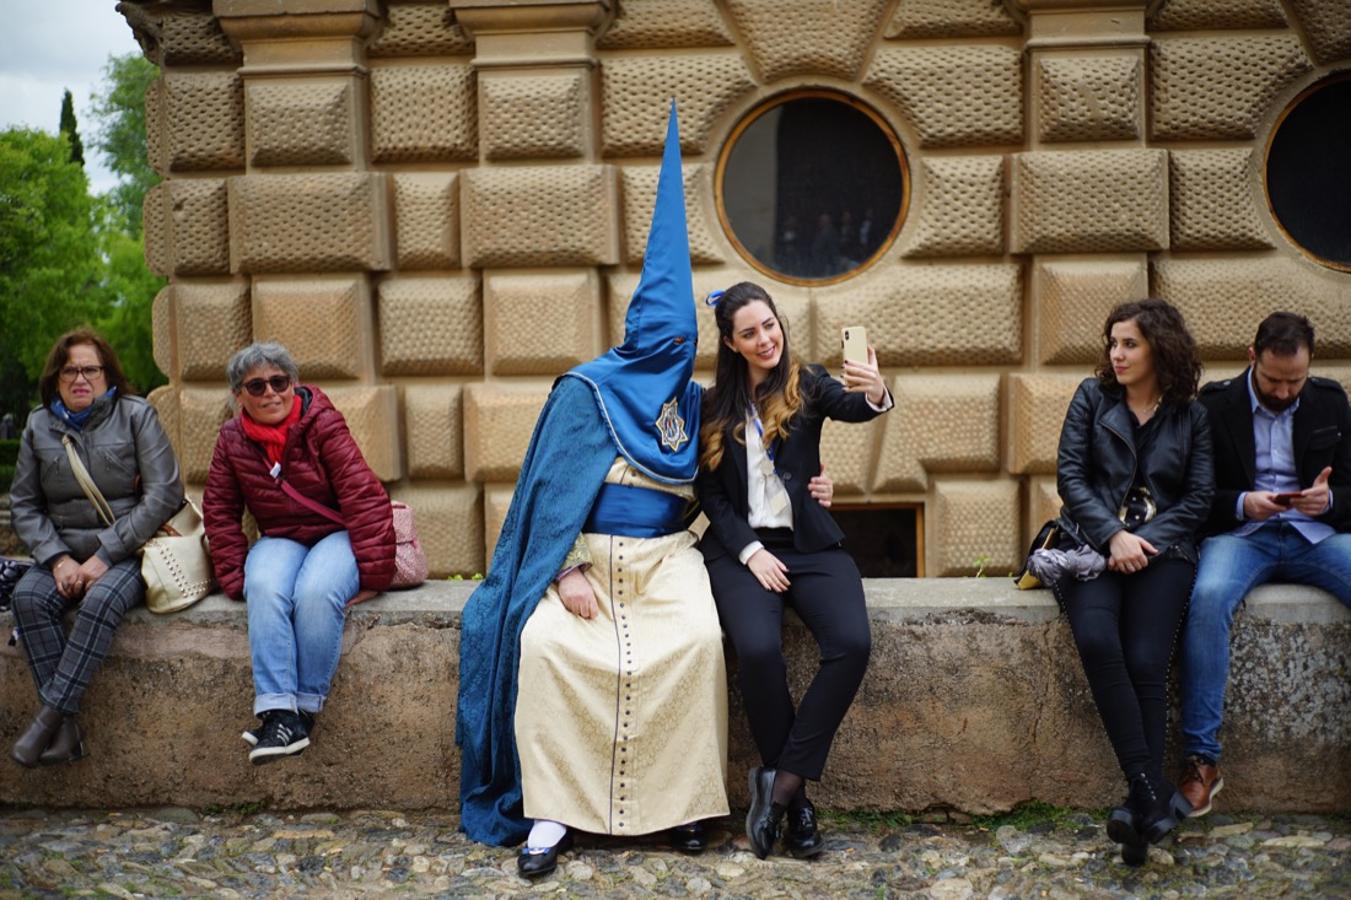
69,130
119,111
49,265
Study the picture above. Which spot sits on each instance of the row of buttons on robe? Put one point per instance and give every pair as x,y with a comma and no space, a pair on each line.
628,679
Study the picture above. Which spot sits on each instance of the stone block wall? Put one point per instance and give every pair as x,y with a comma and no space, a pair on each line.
440,205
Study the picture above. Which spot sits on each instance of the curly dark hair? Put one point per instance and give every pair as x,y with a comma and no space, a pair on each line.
1176,360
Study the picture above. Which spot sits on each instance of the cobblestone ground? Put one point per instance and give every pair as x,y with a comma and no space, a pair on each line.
1053,853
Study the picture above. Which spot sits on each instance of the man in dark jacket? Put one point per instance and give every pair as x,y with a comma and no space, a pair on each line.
1282,512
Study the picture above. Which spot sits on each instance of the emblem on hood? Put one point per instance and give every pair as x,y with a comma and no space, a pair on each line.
671,427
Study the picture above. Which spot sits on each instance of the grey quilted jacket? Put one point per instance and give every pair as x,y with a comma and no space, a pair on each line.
128,454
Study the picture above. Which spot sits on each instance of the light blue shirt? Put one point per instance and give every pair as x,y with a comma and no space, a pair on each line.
1276,468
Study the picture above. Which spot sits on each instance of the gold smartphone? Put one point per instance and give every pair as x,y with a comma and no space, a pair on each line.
855,341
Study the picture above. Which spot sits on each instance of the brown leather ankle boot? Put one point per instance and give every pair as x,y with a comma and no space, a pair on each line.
67,745
28,748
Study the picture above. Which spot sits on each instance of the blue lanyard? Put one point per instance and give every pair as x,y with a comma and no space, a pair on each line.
760,429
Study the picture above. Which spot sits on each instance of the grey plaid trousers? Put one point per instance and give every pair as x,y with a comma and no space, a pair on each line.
63,667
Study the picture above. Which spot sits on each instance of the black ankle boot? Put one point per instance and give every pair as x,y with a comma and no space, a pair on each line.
1152,802
37,738
67,744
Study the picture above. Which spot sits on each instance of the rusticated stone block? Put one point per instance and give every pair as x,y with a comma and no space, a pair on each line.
539,216
431,326
200,414
1214,204
212,322
1090,201
182,37
316,222
324,321
165,401
974,526
156,144
432,424
637,93
640,196
423,113
498,422
162,331
372,414
793,303
941,423
1218,88
648,24
951,18
1224,298
450,525
427,216
849,452
955,96
1327,25
1195,15
1043,505
1037,405
300,122
542,324
420,29
818,37
960,207
535,115
203,120
186,227
1089,98
957,315
496,502
1074,298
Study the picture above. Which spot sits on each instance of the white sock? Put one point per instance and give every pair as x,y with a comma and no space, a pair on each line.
545,834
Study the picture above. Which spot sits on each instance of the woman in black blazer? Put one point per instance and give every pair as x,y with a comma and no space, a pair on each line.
766,547
1135,472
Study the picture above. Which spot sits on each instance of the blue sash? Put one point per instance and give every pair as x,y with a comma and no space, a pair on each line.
635,512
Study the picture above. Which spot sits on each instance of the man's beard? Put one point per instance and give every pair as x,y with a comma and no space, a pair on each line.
1274,404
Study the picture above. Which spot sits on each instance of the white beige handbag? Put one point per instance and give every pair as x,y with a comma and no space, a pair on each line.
174,563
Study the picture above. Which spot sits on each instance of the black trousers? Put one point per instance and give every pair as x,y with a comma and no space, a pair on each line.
1126,627
827,594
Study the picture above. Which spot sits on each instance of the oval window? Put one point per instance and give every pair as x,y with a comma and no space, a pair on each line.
812,187
1309,172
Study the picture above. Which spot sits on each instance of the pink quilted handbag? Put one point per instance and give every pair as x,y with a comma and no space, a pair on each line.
410,563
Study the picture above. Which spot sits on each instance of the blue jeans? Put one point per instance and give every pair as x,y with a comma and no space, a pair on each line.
297,602
1230,567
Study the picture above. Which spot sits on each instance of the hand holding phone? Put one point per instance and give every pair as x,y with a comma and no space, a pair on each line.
1285,499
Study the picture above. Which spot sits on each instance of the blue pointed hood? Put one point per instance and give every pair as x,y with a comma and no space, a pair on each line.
644,386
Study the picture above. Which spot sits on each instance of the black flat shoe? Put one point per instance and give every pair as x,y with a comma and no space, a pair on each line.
690,838
764,816
804,840
1122,826
538,863
1134,855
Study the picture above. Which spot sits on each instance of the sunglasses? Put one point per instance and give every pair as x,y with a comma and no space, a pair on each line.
258,386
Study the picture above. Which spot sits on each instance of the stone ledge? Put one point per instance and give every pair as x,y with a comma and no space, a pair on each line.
975,701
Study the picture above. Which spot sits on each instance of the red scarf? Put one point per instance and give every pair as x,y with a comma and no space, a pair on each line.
271,437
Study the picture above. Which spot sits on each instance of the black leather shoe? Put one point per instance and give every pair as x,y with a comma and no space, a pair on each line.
1152,802
804,840
764,816
1135,855
67,744
538,863
690,838
1122,826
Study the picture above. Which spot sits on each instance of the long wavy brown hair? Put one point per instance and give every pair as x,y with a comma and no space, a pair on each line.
778,398
1177,364
60,354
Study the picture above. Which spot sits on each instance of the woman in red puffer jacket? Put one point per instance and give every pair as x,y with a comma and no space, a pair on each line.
287,456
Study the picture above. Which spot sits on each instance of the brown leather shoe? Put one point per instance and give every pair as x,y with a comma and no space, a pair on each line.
1201,781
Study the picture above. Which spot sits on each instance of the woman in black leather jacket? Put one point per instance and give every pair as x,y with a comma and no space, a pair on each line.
1135,473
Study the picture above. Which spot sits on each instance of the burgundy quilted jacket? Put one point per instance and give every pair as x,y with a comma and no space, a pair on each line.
322,462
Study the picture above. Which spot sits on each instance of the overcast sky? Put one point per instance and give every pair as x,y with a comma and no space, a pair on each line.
47,46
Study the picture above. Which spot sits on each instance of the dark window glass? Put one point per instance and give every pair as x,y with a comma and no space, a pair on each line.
1309,172
812,187
884,541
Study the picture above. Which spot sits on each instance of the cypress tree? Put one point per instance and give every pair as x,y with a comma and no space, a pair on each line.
68,128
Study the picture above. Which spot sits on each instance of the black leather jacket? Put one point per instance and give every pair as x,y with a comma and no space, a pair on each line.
1096,467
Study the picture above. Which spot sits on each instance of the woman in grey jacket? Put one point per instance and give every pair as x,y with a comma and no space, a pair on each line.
86,399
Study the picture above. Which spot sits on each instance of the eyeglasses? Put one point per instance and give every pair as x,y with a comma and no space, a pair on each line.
258,386
70,373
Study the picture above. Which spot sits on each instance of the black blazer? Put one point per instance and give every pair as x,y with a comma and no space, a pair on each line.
723,492
1322,437
1097,464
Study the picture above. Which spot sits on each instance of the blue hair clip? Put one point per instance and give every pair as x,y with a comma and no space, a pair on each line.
713,298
